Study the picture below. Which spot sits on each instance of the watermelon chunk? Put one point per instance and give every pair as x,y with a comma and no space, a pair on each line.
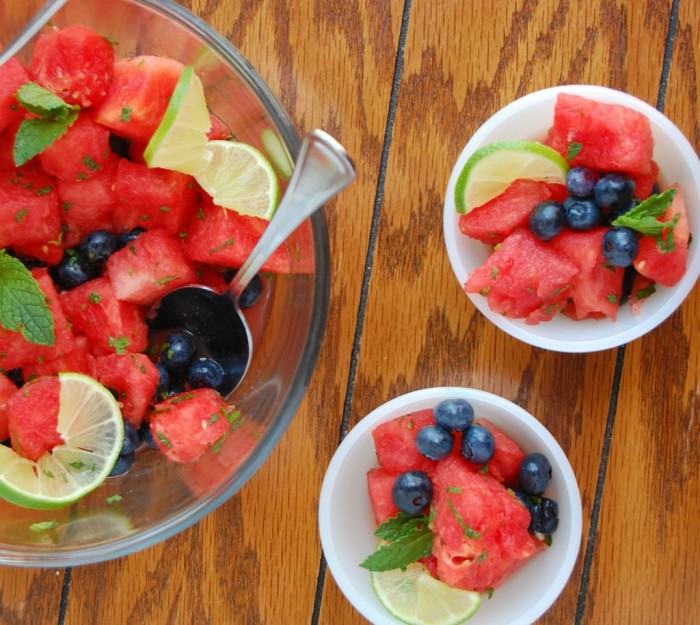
481,529
112,326
7,390
222,237
664,261
138,96
596,289
33,417
505,463
185,425
612,137
152,198
74,62
134,377
495,220
395,443
78,359
80,153
12,75
149,267
379,485
524,279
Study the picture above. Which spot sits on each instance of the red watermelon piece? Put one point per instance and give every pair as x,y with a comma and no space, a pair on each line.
524,279
78,360
33,417
218,236
505,463
7,390
597,287
379,485
495,220
185,425
664,261
134,377
12,75
151,265
74,62
481,529
612,137
395,443
138,96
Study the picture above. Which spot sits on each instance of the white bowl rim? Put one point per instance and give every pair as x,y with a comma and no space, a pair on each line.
425,398
576,341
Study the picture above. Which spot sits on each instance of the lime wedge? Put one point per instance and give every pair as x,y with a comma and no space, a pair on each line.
240,178
490,170
91,425
415,597
180,139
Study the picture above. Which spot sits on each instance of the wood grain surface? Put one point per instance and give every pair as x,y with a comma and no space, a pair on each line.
403,85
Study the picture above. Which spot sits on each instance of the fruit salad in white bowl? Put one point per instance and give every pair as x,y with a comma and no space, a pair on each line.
568,218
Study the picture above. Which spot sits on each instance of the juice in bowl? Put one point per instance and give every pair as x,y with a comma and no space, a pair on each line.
167,486
649,135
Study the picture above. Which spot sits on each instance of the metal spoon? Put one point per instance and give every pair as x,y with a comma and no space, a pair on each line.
322,170
32,27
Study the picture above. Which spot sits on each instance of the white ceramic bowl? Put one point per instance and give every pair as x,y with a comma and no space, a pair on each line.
347,524
529,118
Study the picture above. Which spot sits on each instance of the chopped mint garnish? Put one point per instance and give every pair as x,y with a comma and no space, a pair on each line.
574,149
113,499
23,306
54,117
408,539
42,526
643,217
468,531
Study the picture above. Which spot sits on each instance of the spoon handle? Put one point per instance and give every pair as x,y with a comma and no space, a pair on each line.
32,27
323,169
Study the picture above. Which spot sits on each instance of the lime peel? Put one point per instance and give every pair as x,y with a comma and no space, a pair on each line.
489,170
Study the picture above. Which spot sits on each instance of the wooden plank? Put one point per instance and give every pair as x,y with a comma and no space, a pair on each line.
463,61
256,559
647,551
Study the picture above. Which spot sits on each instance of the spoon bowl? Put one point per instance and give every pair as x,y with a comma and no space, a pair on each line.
323,169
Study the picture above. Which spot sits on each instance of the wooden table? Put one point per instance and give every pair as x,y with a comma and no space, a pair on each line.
403,85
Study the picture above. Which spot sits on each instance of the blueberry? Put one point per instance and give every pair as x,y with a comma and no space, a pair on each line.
147,435
534,473
132,440
621,210
205,372
16,376
580,181
544,516
478,444
178,351
582,214
127,237
98,246
412,492
119,145
546,220
434,442
122,465
523,498
454,414
251,293
73,270
163,380
620,246
614,190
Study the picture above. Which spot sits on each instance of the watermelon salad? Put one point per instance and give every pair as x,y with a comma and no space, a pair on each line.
603,237
104,237
455,493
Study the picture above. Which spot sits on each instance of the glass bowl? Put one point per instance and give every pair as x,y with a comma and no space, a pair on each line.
158,498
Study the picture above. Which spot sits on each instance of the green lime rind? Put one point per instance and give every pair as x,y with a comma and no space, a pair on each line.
531,147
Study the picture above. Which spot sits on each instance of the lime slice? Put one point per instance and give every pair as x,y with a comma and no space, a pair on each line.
91,425
490,170
415,597
180,139
239,177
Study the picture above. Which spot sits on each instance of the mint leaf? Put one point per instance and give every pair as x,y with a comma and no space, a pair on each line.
54,117
643,217
35,135
410,539
23,306
44,103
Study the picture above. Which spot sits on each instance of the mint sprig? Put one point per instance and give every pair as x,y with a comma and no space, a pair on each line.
408,539
23,306
643,217
54,117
